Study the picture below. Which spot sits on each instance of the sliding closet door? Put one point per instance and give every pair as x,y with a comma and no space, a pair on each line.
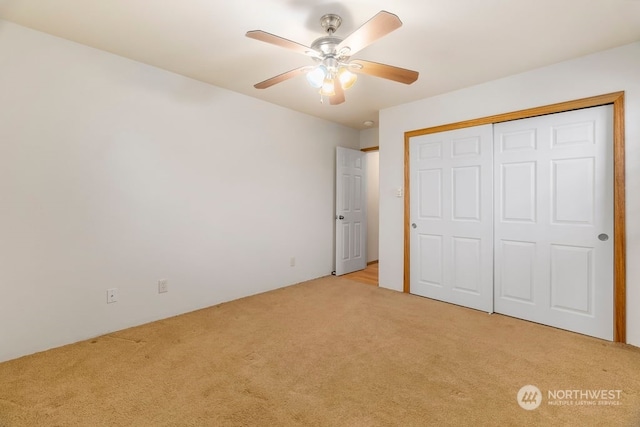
554,220
451,214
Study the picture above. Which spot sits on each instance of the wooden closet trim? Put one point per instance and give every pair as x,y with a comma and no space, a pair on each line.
619,251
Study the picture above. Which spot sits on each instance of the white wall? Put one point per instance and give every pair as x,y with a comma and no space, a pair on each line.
118,174
601,73
369,138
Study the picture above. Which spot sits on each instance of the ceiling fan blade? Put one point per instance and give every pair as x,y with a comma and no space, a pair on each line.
377,27
282,77
338,98
397,74
263,36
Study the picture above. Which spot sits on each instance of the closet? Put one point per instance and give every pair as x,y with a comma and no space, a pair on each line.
517,218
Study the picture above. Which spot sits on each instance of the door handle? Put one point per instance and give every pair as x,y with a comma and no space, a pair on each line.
414,225
341,217
604,237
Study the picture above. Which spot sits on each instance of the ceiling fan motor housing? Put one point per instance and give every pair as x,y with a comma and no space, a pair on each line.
326,45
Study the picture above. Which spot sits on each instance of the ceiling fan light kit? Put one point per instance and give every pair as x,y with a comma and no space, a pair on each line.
347,78
315,77
335,72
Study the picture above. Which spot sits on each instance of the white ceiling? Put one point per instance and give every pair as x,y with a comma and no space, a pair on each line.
452,43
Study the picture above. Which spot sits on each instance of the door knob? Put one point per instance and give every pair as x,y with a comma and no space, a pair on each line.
604,237
414,225
341,217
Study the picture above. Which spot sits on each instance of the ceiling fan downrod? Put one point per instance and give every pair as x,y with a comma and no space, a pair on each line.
330,22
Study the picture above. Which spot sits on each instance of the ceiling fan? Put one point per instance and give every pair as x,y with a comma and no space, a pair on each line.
334,72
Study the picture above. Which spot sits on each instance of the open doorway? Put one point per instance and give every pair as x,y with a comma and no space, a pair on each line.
373,201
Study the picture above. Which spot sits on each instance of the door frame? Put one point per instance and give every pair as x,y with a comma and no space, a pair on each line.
619,225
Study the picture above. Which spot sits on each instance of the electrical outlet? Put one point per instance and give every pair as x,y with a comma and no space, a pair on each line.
292,261
112,295
163,286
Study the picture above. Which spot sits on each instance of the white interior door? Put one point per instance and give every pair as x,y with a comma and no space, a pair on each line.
351,211
452,221
554,220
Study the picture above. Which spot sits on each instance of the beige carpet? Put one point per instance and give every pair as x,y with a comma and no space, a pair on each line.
329,352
